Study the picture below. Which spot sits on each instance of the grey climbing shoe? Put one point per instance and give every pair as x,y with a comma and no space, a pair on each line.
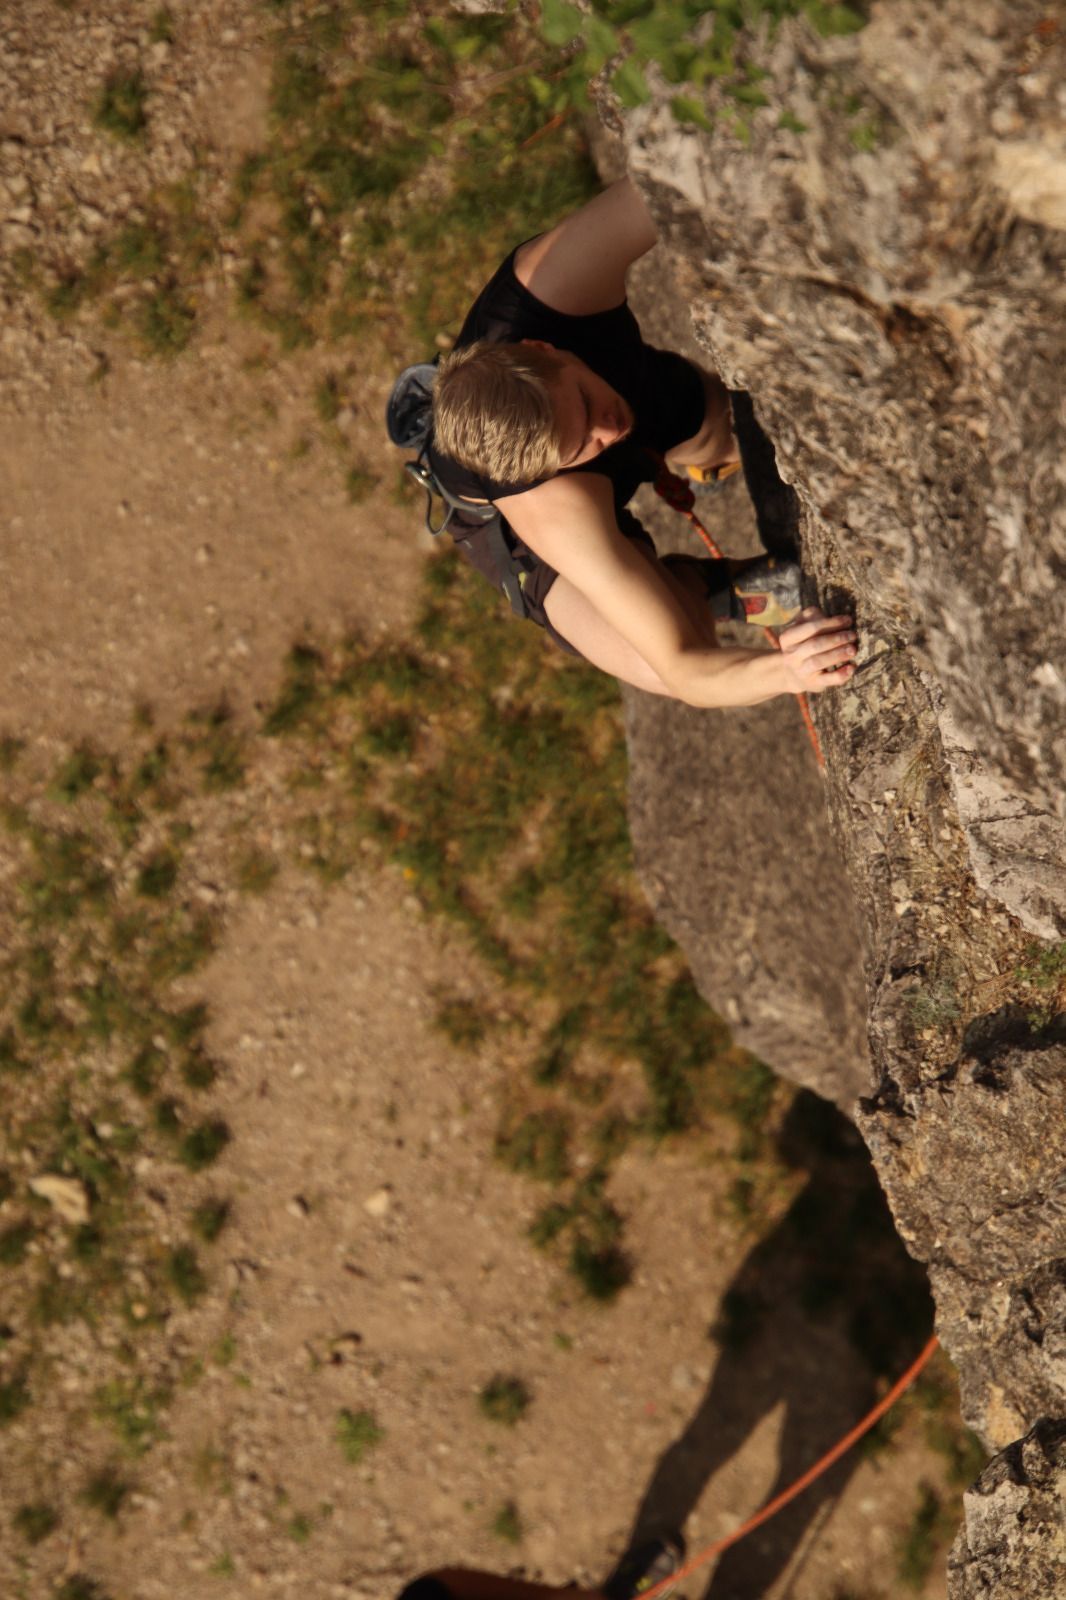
766,592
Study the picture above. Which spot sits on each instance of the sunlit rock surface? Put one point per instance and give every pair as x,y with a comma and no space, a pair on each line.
888,285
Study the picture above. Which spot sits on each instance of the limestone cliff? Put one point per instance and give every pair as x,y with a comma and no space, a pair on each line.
879,259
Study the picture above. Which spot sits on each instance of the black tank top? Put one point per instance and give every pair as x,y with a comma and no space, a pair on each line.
664,390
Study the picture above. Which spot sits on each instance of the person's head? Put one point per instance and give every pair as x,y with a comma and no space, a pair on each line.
519,412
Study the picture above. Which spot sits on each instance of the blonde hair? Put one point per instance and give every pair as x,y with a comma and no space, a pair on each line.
493,412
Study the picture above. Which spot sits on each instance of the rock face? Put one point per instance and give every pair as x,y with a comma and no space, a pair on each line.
887,284
728,819
1011,1544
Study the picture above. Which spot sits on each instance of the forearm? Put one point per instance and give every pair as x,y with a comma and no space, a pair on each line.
718,678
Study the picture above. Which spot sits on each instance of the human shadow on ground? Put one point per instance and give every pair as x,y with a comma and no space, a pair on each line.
825,1305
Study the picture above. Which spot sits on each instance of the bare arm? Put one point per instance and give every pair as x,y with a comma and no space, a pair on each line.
569,522
580,266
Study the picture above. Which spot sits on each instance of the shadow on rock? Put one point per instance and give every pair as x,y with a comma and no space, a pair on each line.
825,1305
775,502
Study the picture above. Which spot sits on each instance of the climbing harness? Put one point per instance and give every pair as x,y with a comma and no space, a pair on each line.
680,496
478,530
706,1555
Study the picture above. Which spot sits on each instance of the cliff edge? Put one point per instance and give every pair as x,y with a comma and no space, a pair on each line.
877,256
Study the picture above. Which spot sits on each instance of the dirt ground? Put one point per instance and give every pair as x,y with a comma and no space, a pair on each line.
160,544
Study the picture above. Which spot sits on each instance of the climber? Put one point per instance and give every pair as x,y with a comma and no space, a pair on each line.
552,407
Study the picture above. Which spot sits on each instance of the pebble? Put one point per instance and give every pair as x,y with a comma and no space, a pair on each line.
377,1204
68,1196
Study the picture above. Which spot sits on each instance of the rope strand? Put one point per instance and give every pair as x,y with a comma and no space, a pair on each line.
708,1554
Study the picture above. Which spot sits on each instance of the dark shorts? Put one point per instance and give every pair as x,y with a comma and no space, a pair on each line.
541,577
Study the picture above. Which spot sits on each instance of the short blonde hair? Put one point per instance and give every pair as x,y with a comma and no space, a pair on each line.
493,412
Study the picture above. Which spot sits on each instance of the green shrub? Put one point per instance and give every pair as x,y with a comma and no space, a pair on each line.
35,1522
185,1273
121,105
504,1400
209,1218
14,1242
931,1527
204,1144
536,1144
357,1433
507,1524
14,1398
105,1492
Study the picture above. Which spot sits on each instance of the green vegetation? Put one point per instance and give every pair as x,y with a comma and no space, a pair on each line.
335,234
931,1529
418,767
536,1144
625,37
504,1400
102,1069
594,1230
1042,974
934,1005
935,1398
256,871
225,1351
133,1411
462,1022
14,1242
161,30
203,1144
36,1521
105,1492
357,1433
121,105
209,1218
79,1587
507,1524
14,1398
366,102
185,1273
158,264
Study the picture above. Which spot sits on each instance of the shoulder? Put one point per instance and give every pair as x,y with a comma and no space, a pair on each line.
569,521
580,493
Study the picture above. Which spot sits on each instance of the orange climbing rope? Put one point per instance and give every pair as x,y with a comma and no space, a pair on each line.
678,494
702,1557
